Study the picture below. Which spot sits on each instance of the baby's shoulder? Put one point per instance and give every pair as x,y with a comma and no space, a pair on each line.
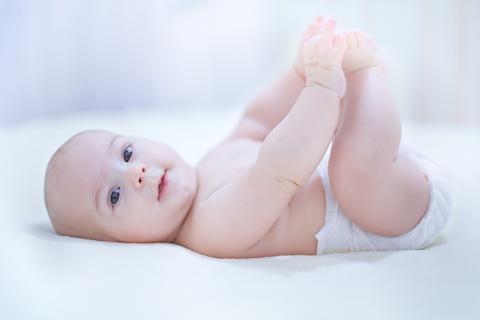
223,163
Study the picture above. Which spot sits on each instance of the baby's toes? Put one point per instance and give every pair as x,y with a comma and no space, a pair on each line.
360,53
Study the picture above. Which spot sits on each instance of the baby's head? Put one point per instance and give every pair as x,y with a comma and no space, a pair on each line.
103,186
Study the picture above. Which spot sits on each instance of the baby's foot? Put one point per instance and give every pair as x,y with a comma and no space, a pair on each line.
360,53
323,55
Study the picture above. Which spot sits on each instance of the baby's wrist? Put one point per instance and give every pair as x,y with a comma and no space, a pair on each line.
298,73
322,77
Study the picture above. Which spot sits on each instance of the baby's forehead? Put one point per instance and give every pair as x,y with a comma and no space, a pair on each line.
90,147
81,159
90,137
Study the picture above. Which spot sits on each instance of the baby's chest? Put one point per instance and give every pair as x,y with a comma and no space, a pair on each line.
224,163
293,232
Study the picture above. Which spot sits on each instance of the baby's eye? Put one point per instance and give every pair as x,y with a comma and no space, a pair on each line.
127,153
114,196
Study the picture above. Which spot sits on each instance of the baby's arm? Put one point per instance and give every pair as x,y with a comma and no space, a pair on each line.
274,102
241,212
270,106
298,143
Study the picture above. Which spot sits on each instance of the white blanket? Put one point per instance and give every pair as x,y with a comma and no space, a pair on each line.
46,276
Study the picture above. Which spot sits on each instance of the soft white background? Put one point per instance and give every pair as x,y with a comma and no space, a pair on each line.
58,56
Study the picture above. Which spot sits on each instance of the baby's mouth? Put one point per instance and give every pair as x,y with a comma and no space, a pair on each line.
162,185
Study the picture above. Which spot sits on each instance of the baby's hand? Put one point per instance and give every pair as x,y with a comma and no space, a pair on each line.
360,53
316,27
323,56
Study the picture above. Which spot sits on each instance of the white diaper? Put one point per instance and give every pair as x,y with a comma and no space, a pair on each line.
339,234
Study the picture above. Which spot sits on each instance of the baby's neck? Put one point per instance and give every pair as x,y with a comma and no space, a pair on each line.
181,229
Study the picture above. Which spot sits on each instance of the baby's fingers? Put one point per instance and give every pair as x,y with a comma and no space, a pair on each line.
351,40
321,44
330,26
340,44
316,27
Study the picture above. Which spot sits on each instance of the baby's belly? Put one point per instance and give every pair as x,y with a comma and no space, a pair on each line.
294,232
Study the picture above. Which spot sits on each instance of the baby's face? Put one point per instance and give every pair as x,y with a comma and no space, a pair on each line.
129,189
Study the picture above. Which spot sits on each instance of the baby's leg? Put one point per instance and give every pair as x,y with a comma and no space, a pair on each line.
378,190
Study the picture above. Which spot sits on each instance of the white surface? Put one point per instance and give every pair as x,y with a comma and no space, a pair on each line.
45,276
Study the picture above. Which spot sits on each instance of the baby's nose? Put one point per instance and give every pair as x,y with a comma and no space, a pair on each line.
138,174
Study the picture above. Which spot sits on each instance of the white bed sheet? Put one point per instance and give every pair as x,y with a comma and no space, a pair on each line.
45,276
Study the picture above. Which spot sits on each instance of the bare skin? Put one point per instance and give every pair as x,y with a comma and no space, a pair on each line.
257,193
364,150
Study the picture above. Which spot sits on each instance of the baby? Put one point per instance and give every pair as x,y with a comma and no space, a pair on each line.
264,190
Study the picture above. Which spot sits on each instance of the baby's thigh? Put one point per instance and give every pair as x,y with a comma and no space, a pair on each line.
388,204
